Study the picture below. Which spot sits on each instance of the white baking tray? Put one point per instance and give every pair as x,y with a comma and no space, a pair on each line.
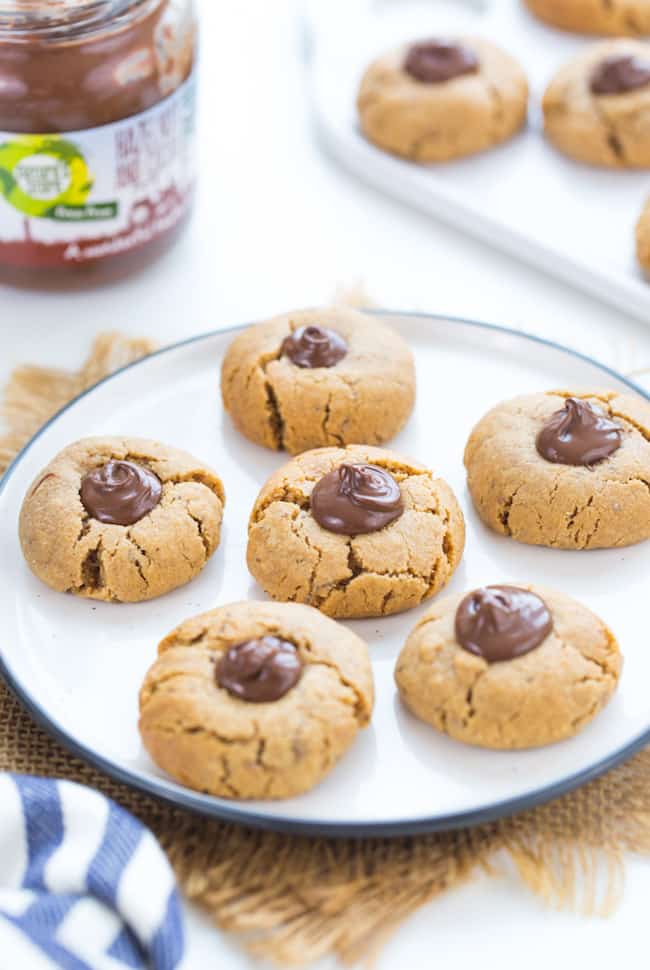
572,220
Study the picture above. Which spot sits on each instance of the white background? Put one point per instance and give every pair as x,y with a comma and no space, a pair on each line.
278,226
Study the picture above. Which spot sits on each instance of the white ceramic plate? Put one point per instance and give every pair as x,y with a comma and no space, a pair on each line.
572,220
78,664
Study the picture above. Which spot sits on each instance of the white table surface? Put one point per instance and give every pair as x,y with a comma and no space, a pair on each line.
278,226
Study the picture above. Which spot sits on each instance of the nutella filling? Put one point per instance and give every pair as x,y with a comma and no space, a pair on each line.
620,74
78,64
259,670
120,492
312,347
579,434
500,623
356,499
436,61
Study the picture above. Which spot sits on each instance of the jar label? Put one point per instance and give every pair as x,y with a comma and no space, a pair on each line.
86,195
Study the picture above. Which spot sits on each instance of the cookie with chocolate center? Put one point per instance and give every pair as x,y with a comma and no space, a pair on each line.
597,105
355,531
442,98
318,377
255,700
570,470
121,519
508,667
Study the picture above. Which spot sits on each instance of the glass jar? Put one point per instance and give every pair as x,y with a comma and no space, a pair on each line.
97,120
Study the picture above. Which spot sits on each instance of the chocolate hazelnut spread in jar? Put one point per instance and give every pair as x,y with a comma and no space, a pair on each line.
97,111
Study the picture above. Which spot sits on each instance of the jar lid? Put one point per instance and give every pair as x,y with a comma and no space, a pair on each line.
26,21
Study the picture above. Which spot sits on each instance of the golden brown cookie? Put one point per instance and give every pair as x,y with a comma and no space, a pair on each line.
617,18
596,108
437,100
318,377
643,238
392,537
540,497
545,694
121,519
255,700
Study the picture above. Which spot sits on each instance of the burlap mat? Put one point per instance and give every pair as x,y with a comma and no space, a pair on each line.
294,899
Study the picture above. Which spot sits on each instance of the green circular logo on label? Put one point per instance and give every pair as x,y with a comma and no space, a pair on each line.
40,172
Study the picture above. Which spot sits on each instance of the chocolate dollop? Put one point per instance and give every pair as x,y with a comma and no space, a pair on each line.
502,622
355,499
259,670
579,434
314,347
435,61
120,492
619,74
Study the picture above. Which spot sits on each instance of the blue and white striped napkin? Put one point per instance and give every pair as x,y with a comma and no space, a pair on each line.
83,885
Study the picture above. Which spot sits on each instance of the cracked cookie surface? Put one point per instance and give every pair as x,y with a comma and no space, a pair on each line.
518,493
613,17
214,742
435,122
73,552
611,130
366,396
544,696
294,559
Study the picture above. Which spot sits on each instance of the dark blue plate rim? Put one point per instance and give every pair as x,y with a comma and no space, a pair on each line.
174,794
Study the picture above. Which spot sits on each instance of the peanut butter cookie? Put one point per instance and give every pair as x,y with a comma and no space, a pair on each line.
508,667
564,469
596,108
643,238
121,519
441,99
255,700
614,17
355,531
318,377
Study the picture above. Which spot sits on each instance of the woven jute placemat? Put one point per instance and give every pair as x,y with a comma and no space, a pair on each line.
293,899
